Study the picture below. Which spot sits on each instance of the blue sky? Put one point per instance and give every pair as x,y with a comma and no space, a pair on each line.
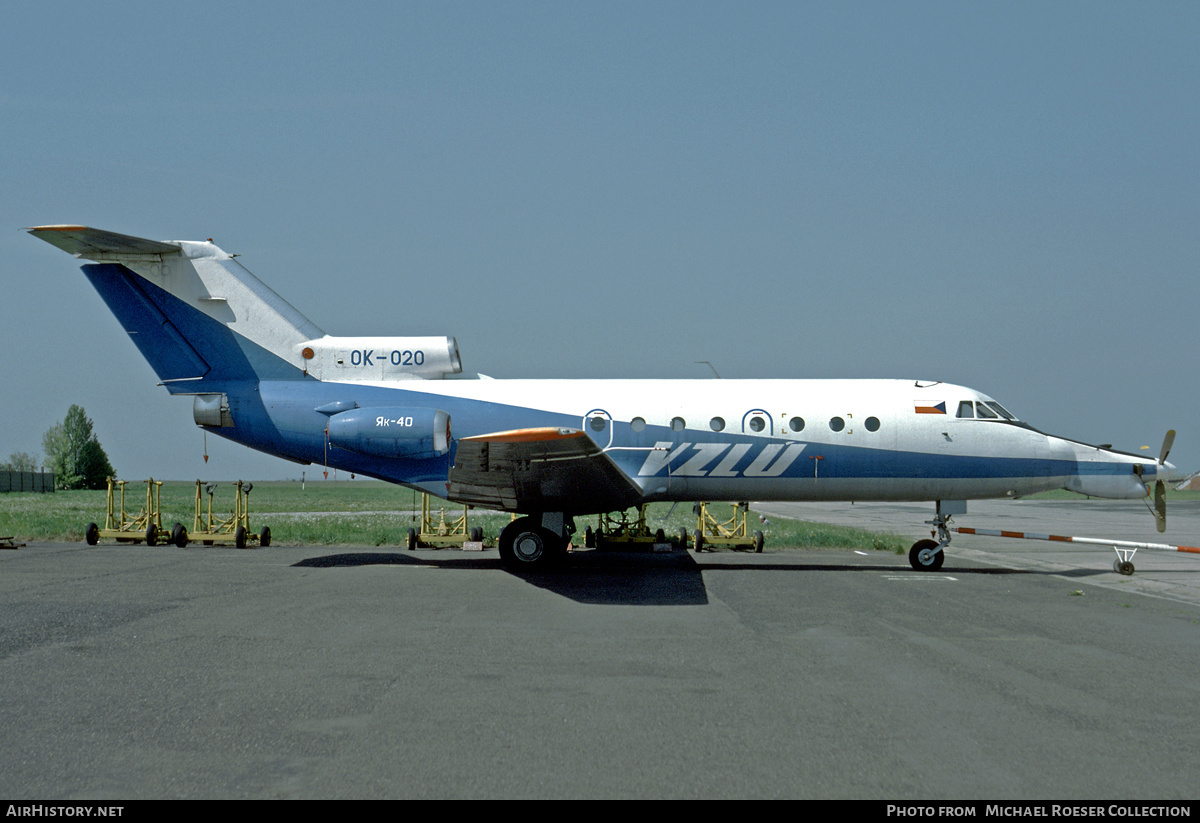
1002,195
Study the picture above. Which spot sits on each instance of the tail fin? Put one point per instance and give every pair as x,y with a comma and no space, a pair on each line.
194,312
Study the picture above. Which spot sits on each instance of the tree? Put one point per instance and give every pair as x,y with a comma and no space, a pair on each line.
74,453
20,462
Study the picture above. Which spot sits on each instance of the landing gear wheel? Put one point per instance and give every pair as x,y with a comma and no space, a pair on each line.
91,535
410,541
179,536
758,542
1124,567
264,539
151,535
239,537
526,546
926,556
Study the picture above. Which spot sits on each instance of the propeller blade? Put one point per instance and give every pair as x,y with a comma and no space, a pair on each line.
1168,441
1160,505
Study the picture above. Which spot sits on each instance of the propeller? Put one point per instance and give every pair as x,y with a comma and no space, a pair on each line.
1160,486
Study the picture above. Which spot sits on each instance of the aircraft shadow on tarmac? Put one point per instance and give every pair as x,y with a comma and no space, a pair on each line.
639,579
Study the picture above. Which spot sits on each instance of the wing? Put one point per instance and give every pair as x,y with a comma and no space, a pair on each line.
545,469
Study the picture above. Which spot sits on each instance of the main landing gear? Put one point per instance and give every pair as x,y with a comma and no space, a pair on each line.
535,542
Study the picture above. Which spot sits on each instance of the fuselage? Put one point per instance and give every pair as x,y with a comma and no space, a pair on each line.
719,439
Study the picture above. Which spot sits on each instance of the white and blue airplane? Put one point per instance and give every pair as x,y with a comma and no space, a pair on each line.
400,409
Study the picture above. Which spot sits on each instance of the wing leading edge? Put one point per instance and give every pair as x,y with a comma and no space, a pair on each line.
542,469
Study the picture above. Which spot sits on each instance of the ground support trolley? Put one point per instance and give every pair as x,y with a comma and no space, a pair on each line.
623,531
210,529
438,532
123,527
732,533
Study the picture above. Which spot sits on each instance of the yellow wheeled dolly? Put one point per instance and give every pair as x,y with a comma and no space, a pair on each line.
732,532
440,532
209,529
126,528
626,530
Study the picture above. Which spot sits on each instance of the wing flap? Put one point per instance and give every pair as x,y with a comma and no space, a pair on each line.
540,469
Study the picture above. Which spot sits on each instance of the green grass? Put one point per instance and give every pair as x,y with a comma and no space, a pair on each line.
363,513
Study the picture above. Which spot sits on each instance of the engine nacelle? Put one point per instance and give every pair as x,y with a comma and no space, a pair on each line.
374,359
392,431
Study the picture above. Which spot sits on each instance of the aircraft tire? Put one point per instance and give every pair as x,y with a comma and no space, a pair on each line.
91,535
526,546
922,557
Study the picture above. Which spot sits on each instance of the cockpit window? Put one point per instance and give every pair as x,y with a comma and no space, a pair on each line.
984,410
1000,410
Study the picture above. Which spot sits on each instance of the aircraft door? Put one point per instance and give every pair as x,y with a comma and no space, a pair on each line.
757,421
599,426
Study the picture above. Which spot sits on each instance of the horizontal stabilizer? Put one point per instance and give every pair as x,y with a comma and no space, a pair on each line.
97,244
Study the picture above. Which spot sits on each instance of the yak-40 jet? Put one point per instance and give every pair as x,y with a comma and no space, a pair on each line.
399,409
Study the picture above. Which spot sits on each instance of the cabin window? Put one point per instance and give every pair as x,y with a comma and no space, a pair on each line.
966,409
796,424
678,424
597,423
757,424
717,424
837,424
637,424
872,424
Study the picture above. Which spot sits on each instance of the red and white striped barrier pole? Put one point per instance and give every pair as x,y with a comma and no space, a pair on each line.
1125,549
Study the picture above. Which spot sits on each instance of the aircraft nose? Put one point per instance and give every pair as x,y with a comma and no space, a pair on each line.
1168,472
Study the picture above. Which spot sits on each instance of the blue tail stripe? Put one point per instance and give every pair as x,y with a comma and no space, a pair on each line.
159,341
178,340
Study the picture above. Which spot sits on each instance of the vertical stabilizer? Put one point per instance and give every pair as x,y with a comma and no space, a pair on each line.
193,310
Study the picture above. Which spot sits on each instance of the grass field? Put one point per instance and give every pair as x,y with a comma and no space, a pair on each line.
360,513
372,513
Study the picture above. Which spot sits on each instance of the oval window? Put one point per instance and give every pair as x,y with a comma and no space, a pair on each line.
597,424
796,424
872,424
837,424
637,424
678,424
717,424
757,424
